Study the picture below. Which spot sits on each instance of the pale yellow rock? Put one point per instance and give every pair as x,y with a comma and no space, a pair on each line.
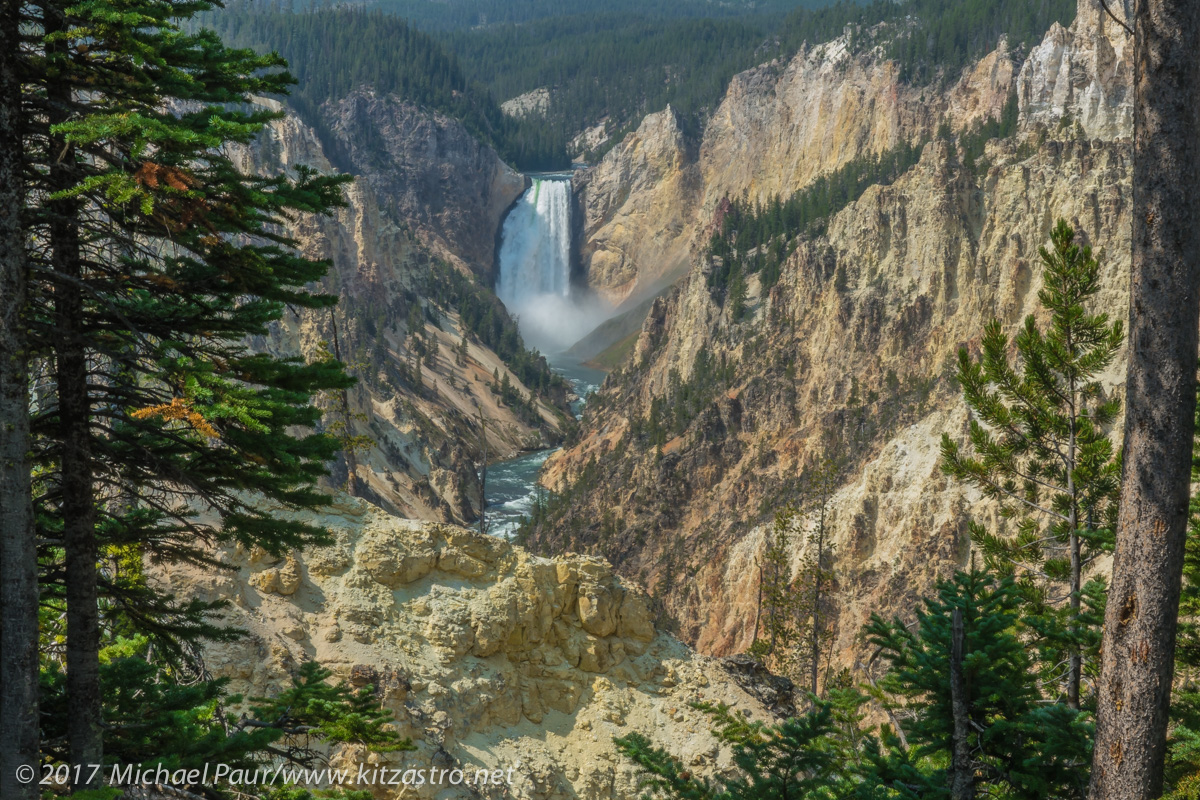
878,303
491,666
288,580
393,564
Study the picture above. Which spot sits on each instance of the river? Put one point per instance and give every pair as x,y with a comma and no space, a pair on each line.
512,484
535,286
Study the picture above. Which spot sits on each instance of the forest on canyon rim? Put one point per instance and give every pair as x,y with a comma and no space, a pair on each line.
900,417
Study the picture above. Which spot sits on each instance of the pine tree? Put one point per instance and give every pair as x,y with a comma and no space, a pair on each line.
1014,745
1135,692
160,258
460,353
779,606
815,581
1040,445
796,759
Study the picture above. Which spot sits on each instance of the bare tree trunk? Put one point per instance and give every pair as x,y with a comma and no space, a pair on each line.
814,667
18,554
962,775
483,475
1143,602
84,731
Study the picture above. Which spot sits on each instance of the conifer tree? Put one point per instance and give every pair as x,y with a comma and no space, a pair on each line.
460,352
1015,744
160,258
814,583
775,632
1040,446
793,759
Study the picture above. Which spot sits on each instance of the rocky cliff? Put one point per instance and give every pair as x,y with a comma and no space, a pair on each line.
426,187
649,203
433,173
851,352
487,657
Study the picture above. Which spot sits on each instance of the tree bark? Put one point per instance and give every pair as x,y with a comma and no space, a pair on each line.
962,775
816,601
78,506
483,475
19,742
1143,602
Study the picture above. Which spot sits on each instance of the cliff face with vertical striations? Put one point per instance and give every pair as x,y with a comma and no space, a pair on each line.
431,173
851,352
650,201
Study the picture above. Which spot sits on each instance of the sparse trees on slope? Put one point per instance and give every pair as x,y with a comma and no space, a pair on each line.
1164,310
1040,447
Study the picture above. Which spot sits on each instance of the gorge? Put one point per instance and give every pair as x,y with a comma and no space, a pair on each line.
614,613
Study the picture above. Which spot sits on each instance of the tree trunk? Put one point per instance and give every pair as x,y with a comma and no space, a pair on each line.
1075,662
1143,602
483,475
816,610
18,554
962,776
84,732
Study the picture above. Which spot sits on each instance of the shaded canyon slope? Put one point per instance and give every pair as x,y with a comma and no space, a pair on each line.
427,198
852,351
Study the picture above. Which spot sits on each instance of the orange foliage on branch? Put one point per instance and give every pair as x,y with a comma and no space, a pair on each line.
177,409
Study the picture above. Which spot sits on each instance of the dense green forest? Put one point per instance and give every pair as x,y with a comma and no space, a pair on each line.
454,14
618,68
332,52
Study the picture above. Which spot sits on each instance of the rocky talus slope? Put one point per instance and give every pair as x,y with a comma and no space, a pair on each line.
426,191
486,655
851,353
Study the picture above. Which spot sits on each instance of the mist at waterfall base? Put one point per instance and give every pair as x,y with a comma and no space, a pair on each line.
535,270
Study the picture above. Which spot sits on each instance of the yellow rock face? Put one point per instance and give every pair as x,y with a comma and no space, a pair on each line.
856,343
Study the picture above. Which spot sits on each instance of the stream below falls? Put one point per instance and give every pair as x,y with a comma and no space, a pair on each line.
512,484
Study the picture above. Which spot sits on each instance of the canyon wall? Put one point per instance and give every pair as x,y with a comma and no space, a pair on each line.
649,203
427,192
852,352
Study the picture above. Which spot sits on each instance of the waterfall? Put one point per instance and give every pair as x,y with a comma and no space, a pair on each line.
535,269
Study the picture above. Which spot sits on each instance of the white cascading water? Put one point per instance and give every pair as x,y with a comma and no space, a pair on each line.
535,268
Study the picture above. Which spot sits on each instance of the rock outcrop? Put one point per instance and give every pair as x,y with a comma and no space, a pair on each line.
487,657
851,353
435,175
